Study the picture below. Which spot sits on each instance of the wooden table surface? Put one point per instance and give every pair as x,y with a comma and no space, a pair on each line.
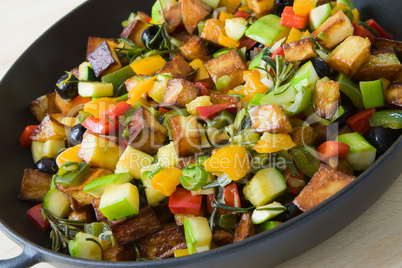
373,240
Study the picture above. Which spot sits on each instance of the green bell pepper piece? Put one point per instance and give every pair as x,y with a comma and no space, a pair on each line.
373,94
302,101
72,173
306,158
222,120
349,89
267,30
226,221
193,178
388,118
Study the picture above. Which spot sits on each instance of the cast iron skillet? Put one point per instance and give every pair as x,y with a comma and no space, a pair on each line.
61,48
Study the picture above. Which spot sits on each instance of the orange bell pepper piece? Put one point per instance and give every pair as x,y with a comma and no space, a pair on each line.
303,7
226,41
140,89
271,143
166,180
253,85
149,65
69,155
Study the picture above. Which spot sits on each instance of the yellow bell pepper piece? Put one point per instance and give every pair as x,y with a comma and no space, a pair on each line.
234,3
202,72
198,102
356,15
270,143
232,160
253,85
166,180
338,7
225,16
305,34
140,89
294,35
70,154
303,7
181,252
148,65
96,107
226,41
228,4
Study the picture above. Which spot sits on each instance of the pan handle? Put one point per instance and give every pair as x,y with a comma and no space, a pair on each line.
27,258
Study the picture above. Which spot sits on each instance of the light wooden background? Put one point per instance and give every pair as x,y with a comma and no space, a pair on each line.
373,240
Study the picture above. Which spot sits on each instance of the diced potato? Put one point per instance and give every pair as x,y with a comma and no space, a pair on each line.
379,66
173,17
158,90
186,136
223,98
327,98
230,64
177,68
393,95
212,30
300,50
43,106
195,48
350,55
261,7
99,151
34,185
132,161
333,31
49,129
133,32
48,148
193,11
146,133
71,108
270,118
179,93
167,155
198,102
325,183
94,42
104,59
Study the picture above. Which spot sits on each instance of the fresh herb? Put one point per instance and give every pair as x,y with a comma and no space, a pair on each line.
220,205
370,29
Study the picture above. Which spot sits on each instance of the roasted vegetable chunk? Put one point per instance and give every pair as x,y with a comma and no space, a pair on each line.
222,237
260,7
195,48
186,136
179,92
244,228
300,50
230,64
393,95
178,68
71,108
94,42
327,98
99,216
333,31
133,228
270,118
325,183
379,66
44,105
304,134
173,17
49,129
383,46
133,32
34,185
83,215
193,11
104,59
146,133
350,55
162,244
119,253
223,98
212,30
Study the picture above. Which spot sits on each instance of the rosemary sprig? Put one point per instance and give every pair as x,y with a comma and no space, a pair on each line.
219,205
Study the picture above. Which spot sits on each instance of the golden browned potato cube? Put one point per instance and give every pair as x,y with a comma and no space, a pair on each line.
393,94
303,133
49,129
43,106
195,48
260,7
229,63
104,59
300,50
146,133
186,136
193,11
34,185
327,99
350,55
179,92
325,183
173,17
71,108
270,118
333,31
223,98
178,68
133,32
379,66
212,30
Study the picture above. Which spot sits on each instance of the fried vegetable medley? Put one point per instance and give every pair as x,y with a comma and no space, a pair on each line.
208,122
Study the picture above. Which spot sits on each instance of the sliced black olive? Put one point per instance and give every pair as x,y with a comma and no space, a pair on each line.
76,133
152,37
382,138
67,87
321,67
47,165
280,5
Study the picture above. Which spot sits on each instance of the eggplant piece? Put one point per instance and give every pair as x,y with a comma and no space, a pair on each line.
94,42
34,185
229,63
393,94
133,228
179,92
173,17
195,48
186,135
260,7
133,32
270,118
104,59
193,11
119,253
49,129
327,99
383,46
178,68
222,237
244,229
99,216
212,30
299,50
325,183
44,105
379,66
145,132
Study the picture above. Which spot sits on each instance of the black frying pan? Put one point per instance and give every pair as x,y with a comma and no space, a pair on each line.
63,47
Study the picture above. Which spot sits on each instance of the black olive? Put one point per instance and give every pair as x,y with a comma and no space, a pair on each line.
291,211
321,67
280,5
67,87
47,165
382,138
149,35
76,133
349,108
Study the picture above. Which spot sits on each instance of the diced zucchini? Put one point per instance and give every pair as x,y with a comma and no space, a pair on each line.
318,15
49,149
97,186
85,246
167,155
264,213
158,90
132,160
212,3
305,76
85,72
267,225
235,28
197,233
57,203
95,89
154,197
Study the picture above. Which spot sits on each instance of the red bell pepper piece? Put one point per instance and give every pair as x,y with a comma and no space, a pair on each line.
209,112
294,182
36,218
183,202
163,110
116,110
332,148
231,197
360,121
242,14
363,32
25,139
279,51
381,32
203,87
247,42
101,125
289,19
